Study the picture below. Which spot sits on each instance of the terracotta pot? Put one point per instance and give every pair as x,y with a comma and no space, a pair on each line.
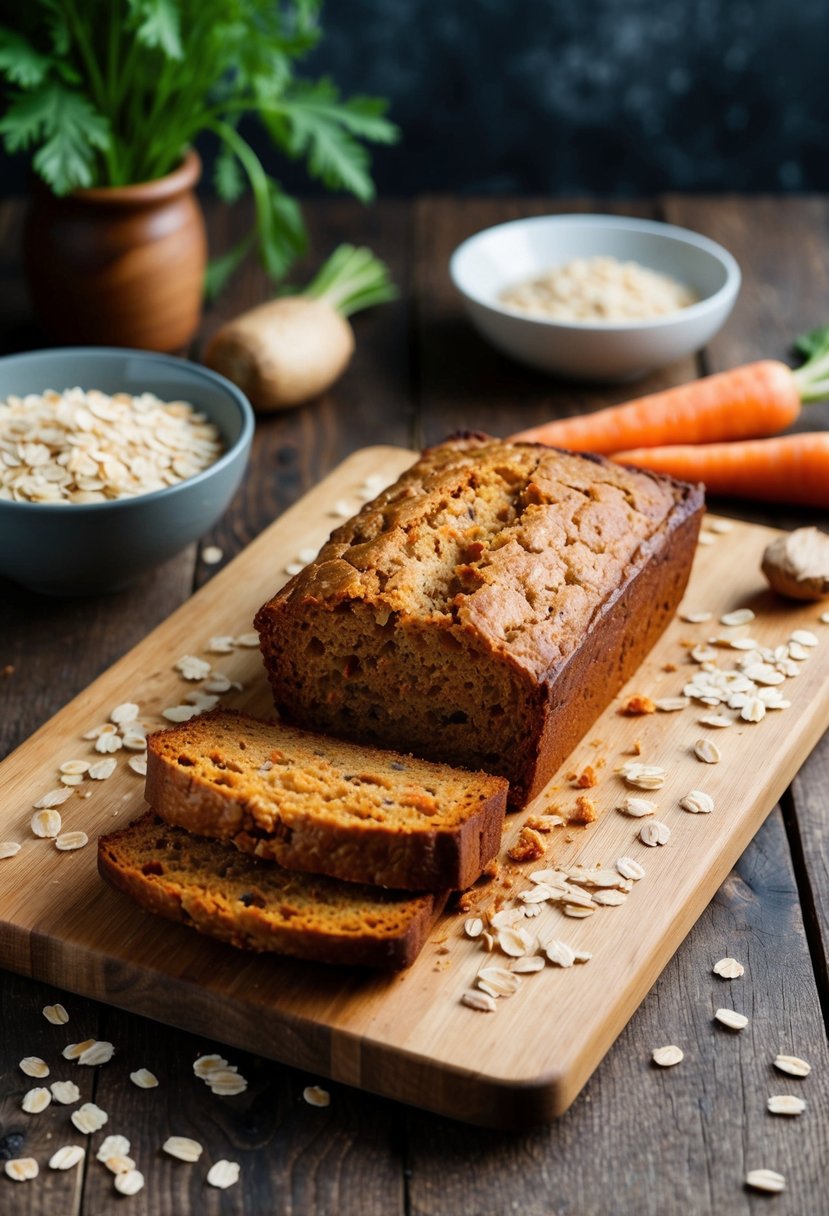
121,265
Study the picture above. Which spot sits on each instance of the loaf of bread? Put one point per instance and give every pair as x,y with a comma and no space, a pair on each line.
485,608
257,905
313,803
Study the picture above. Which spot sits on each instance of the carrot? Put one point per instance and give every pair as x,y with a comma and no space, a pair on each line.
757,399
788,468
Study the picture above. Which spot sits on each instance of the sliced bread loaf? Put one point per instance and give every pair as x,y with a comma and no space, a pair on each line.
317,804
257,905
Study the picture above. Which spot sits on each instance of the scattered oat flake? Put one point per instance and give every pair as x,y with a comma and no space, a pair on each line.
695,618
222,644
108,743
527,964
473,927
706,538
804,637
667,1056
654,833
729,969
629,868
740,616
144,1079
670,705
731,1019
36,1100
9,848
707,752
124,713
824,618
248,640
473,998
65,1092
211,555
610,899
89,1118
293,568
113,1146
697,802
192,668
766,1180
719,525
644,776
207,1064
53,798
515,941
72,1050
74,768
223,1174
103,769
754,710
46,824
118,1163
342,509
499,981
786,1104
637,808
56,1014
718,721
33,1066
21,1169
226,1082
130,1183
179,713
68,841
138,764
183,1148
559,953
67,1157
99,1052
793,1065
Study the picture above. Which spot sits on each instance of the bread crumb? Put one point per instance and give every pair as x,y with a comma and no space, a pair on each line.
528,847
669,667
539,824
637,705
491,871
636,749
587,778
585,811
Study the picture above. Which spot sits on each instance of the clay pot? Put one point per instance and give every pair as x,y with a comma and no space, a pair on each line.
120,265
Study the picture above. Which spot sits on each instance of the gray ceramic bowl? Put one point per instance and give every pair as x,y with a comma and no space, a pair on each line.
86,549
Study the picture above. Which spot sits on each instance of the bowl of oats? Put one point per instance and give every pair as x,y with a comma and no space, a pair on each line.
595,297
111,462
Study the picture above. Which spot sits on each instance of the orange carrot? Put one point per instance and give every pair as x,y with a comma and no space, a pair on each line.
789,468
757,399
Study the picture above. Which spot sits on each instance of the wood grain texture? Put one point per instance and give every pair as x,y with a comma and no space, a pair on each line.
669,1142
407,1036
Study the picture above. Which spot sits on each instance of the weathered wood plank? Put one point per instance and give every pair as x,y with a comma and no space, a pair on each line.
641,1139
463,382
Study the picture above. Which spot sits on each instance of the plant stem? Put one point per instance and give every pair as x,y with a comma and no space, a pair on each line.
352,279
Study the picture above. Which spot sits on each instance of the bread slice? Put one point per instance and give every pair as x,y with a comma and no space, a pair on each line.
327,807
257,905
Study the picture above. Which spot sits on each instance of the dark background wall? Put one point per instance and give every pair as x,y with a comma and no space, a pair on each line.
583,96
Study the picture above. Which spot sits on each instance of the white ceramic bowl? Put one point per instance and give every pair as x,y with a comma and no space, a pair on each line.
497,258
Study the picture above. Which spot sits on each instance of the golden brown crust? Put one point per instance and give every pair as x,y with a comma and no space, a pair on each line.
454,611
255,905
323,806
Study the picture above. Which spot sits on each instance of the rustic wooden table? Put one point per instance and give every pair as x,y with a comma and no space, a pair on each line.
638,1139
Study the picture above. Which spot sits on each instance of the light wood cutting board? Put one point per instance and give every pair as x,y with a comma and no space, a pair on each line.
407,1036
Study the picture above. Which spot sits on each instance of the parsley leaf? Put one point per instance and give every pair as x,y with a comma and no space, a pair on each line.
67,127
20,62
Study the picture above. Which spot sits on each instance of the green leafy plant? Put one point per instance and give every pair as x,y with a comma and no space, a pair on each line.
113,92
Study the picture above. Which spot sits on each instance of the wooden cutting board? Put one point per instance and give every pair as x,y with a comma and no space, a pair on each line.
407,1036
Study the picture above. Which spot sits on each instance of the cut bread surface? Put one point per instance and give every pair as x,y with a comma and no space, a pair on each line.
257,905
317,804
